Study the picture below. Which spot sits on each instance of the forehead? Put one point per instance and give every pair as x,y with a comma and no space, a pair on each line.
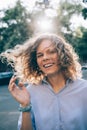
45,44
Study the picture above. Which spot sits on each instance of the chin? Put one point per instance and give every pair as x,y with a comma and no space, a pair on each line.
52,73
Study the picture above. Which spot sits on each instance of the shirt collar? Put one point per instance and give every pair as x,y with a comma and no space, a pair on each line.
69,80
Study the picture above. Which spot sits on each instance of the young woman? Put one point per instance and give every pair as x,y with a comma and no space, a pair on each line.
55,98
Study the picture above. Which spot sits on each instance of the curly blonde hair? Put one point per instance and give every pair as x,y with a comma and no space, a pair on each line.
24,61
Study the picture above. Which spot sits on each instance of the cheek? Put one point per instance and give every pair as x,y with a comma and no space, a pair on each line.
38,62
55,58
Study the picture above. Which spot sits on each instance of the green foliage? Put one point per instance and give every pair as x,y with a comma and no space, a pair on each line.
66,10
82,45
79,43
84,13
78,36
15,28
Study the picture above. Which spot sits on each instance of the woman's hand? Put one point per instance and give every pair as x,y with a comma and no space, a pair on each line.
20,93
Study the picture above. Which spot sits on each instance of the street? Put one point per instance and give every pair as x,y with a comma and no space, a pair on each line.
9,113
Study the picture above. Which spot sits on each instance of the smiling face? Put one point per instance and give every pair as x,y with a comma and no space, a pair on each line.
47,58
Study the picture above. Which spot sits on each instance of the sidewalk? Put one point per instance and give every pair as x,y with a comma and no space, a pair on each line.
9,113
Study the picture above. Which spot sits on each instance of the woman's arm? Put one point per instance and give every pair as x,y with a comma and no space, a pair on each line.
26,121
21,94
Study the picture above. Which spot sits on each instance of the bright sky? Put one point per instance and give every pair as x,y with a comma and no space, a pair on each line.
10,3
30,3
6,3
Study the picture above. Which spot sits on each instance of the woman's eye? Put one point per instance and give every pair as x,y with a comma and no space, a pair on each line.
38,56
53,51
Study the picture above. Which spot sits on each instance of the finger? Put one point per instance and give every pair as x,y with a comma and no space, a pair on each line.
11,87
21,85
12,79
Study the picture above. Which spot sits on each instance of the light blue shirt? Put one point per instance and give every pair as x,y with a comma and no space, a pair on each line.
65,110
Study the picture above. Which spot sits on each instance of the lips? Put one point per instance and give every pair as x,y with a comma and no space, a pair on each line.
48,65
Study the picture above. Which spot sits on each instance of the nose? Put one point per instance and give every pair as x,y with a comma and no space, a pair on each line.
45,57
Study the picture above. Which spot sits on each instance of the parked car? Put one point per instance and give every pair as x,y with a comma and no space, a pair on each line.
5,77
84,72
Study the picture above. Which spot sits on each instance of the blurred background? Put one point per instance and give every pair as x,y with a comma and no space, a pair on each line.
20,20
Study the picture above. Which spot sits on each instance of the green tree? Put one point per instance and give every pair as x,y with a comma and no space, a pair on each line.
15,26
66,11
78,36
82,45
84,13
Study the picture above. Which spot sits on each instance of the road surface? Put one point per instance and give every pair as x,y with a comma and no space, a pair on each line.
8,110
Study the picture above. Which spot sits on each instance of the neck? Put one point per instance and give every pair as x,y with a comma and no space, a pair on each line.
57,82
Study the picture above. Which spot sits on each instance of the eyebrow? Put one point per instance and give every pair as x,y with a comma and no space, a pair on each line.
46,48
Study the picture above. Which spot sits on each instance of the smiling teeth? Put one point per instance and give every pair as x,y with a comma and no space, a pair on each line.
48,65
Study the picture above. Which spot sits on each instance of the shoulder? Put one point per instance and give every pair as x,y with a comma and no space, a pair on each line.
78,88
80,83
31,87
34,88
